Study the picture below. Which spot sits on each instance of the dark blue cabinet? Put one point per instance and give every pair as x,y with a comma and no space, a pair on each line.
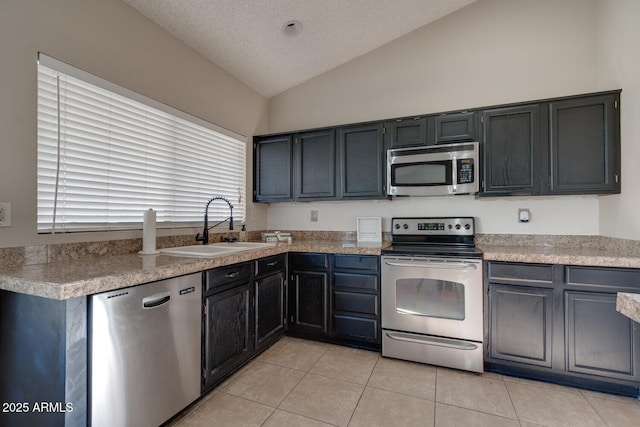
559,323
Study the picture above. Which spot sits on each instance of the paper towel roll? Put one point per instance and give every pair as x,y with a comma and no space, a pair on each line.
149,233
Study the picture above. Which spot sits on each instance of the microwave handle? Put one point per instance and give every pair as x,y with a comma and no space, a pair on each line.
454,180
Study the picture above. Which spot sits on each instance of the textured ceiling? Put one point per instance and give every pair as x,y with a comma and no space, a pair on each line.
245,37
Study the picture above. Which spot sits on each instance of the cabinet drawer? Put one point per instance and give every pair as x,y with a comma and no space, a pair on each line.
357,303
519,271
356,327
269,264
224,275
607,277
356,262
358,281
310,260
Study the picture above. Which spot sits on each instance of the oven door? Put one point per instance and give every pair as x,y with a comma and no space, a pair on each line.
433,296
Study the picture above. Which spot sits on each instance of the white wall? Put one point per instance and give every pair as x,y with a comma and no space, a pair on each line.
619,66
568,215
490,52
110,39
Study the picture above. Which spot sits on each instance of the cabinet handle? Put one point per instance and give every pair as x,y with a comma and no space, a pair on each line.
271,264
232,275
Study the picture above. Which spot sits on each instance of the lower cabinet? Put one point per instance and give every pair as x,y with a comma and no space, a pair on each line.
521,324
356,299
309,294
243,313
559,323
335,298
269,287
228,319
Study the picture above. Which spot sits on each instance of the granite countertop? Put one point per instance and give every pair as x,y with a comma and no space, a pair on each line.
592,256
72,278
628,304
69,279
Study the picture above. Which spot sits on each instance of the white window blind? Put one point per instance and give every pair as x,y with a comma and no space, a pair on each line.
106,154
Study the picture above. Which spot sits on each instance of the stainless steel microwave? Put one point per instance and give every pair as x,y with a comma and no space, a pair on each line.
435,170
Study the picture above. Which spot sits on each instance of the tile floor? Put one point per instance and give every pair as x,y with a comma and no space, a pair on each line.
305,383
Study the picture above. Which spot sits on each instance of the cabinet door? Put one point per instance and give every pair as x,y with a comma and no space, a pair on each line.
228,332
456,127
510,150
362,161
272,169
269,302
599,340
407,132
584,145
521,324
315,154
309,295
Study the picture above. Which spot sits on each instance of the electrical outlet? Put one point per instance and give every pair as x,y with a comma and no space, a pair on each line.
5,214
314,216
524,215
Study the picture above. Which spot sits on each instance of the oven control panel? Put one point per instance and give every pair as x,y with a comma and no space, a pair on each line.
456,226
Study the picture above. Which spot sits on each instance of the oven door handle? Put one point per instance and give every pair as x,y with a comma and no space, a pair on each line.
440,265
439,342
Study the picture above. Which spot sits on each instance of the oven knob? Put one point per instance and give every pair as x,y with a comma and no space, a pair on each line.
467,226
405,226
397,226
450,226
457,226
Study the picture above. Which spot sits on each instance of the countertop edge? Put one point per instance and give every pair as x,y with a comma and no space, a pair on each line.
628,304
146,270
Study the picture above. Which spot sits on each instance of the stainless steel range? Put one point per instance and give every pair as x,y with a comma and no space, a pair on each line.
432,300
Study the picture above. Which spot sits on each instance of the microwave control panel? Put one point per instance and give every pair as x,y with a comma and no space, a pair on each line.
465,171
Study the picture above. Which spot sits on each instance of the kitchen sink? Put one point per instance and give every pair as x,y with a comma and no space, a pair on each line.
215,249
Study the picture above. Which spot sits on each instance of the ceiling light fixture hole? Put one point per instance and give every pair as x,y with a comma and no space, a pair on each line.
292,28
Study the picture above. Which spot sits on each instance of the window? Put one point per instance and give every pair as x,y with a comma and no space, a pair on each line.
107,154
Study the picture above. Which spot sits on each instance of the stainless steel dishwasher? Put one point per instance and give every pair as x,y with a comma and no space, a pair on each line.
145,352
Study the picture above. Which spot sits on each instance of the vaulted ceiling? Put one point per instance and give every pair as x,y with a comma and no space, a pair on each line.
246,37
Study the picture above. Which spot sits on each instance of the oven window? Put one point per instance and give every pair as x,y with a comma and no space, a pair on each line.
429,297
420,174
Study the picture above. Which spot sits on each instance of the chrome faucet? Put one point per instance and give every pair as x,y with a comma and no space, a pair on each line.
204,238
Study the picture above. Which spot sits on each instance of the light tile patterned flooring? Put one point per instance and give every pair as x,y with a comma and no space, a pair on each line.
305,383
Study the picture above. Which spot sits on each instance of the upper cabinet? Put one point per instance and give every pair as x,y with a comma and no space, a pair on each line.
315,165
557,146
565,146
456,127
510,135
272,166
409,132
584,145
361,164
326,164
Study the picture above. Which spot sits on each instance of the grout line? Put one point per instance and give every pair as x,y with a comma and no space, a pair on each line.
513,405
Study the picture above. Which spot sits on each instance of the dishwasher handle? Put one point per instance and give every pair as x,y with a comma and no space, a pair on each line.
156,300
